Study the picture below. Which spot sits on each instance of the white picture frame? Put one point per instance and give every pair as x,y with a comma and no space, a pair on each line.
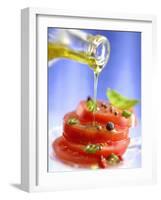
34,175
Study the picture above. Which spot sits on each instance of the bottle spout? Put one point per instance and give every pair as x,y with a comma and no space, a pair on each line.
99,49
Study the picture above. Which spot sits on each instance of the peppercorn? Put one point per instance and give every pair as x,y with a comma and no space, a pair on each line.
98,127
111,109
103,105
89,98
110,126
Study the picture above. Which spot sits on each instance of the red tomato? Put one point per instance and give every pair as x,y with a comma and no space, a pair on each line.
72,157
105,113
73,154
107,149
85,133
102,162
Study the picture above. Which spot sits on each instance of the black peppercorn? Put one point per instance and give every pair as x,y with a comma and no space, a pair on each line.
111,109
103,105
110,126
89,98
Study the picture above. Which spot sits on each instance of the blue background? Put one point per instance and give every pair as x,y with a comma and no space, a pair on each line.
69,81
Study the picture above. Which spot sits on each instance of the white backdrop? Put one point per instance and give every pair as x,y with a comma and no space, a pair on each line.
10,98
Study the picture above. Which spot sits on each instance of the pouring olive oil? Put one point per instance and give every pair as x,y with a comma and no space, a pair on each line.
81,47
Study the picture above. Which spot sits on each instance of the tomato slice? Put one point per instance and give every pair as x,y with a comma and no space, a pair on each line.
86,132
70,156
118,148
105,113
74,154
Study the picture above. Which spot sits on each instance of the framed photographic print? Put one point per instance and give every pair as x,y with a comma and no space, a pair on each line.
87,113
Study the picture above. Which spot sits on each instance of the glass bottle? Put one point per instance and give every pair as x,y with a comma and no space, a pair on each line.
80,46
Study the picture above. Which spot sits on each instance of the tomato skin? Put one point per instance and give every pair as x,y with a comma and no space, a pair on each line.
101,116
103,163
80,130
73,154
80,133
71,157
117,148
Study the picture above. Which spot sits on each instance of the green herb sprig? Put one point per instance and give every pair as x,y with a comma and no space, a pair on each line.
120,101
72,121
126,113
91,105
92,148
113,159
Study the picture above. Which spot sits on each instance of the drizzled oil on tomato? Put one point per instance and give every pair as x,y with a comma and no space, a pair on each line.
86,132
104,113
92,136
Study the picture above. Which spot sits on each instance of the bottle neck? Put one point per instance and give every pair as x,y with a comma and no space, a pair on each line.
99,49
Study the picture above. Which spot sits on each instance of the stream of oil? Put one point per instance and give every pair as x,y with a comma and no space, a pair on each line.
96,75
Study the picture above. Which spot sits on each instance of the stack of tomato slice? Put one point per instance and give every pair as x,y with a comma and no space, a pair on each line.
93,138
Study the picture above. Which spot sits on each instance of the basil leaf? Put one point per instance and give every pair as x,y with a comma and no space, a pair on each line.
91,105
126,113
73,121
92,148
113,159
119,100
